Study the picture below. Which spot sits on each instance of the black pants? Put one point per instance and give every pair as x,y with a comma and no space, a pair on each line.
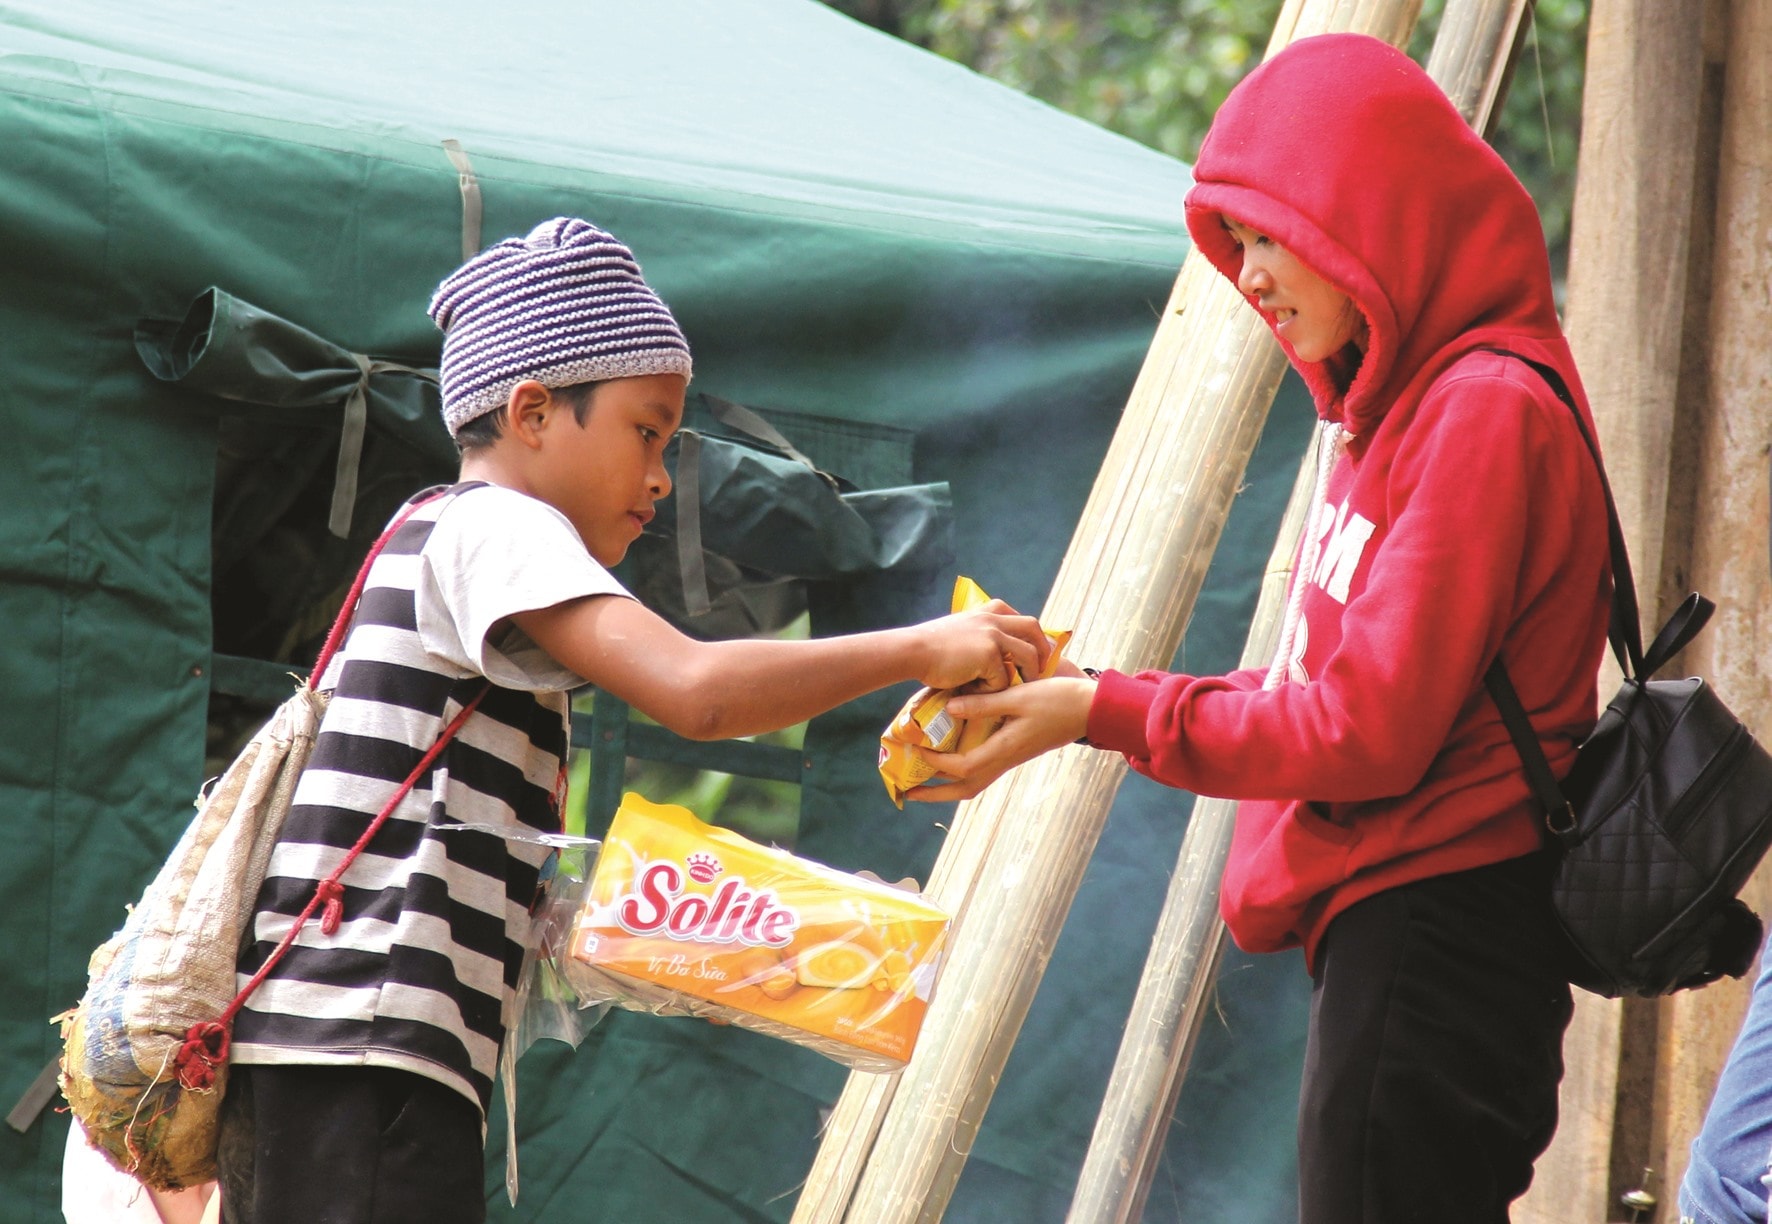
348,1145
1435,1050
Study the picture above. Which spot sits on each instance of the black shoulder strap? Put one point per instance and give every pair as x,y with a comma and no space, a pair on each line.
1625,634
1559,816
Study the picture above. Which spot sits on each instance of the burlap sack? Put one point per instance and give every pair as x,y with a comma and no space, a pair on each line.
172,967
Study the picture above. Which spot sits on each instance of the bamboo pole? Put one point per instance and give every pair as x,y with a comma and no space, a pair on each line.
896,1145
1245,366
1473,54
1472,49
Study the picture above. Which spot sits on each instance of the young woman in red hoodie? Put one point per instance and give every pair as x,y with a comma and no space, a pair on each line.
1386,826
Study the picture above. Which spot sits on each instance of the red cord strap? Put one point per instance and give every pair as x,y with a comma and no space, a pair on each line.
331,895
329,892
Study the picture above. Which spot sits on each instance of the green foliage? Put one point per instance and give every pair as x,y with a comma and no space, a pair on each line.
1154,70
1157,70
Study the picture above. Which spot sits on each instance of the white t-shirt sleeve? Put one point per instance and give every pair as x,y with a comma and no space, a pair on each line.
493,553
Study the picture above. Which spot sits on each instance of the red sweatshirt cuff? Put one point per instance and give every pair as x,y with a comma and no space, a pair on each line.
1119,711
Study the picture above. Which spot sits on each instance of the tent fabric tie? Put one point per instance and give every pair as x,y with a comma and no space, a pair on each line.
356,422
37,1097
472,209
350,442
690,561
737,416
350,451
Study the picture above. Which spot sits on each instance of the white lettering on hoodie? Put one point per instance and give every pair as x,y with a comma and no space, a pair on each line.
1341,551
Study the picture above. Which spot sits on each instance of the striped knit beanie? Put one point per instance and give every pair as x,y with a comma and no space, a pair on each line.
563,306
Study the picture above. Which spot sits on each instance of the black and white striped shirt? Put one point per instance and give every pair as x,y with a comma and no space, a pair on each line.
421,972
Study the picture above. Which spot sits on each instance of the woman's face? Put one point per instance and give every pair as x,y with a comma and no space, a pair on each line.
1310,314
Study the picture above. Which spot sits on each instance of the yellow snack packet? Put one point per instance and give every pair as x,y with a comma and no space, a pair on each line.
923,720
684,918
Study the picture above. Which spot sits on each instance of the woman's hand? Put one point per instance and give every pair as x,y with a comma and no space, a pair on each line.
1038,717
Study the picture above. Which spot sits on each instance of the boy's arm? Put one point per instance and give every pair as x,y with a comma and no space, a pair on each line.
716,690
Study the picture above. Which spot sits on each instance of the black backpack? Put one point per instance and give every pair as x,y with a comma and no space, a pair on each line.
1665,814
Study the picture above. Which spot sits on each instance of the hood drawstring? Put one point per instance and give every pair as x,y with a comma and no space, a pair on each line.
1331,441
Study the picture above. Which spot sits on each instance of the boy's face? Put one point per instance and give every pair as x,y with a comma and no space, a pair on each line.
1314,317
605,475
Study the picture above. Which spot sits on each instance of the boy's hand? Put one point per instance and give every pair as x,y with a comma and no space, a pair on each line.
1038,717
983,645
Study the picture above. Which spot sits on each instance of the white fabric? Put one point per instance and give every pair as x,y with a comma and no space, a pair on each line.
493,554
94,1192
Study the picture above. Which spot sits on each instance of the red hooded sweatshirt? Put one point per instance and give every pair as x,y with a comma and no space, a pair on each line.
1463,517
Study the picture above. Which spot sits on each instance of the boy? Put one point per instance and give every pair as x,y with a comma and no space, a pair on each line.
363,1065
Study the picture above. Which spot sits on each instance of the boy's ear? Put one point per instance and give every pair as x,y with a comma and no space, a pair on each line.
527,411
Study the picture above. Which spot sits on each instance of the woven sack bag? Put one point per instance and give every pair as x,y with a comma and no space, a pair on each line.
144,1100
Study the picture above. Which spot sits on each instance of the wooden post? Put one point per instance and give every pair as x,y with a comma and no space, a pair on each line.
1641,208
1727,553
895,1146
1470,59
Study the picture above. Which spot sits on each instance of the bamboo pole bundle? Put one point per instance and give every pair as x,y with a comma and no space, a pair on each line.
895,1146
1005,824
1185,953
1021,848
1475,42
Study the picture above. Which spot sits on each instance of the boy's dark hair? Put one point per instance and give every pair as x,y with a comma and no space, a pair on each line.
488,427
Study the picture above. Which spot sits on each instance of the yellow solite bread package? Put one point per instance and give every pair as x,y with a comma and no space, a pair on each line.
684,918
923,721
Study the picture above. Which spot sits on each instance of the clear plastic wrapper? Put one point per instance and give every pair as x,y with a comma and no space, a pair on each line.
545,1004
686,919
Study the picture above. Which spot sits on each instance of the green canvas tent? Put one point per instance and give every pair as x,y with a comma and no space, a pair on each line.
937,289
